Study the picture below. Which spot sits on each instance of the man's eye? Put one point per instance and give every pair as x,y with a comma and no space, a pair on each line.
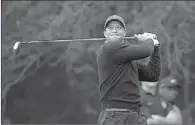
118,27
110,27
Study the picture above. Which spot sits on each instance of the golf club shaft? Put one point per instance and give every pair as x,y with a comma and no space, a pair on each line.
71,40
17,45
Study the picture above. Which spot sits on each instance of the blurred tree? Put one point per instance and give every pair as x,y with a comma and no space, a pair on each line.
58,82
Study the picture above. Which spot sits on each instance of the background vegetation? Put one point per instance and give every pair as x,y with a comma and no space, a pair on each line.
58,82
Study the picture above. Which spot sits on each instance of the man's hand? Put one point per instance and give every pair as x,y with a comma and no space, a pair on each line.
155,119
146,36
141,37
152,121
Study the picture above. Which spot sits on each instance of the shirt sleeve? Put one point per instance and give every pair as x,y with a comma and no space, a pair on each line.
151,71
174,116
125,52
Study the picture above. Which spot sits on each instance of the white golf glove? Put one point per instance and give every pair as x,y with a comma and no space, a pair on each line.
145,36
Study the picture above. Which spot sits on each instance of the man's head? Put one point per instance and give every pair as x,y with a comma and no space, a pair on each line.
114,28
168,89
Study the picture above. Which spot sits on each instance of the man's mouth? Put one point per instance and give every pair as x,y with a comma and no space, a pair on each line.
114,34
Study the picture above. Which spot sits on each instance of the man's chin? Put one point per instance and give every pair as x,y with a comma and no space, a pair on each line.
115,39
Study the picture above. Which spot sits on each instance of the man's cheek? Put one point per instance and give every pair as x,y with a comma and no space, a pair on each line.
114,37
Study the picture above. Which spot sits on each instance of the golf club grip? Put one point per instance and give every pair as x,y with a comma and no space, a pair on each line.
71,40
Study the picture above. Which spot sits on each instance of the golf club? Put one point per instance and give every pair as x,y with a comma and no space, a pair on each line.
17,45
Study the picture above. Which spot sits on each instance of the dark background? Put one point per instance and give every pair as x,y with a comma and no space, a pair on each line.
58,82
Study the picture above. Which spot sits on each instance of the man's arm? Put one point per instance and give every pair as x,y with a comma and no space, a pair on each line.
173,117
125,52
151,71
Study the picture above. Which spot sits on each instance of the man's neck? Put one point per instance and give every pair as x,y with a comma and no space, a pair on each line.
123,40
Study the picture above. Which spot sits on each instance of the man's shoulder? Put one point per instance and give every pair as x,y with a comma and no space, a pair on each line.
132,41
115,45
108,47
104,46
103,52
100,49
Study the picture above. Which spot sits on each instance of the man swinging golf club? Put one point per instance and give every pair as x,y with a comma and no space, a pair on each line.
120,73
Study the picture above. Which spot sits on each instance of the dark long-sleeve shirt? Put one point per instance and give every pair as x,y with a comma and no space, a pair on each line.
119,73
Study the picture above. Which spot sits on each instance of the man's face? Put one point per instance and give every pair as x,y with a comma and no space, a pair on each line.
169,93
114,32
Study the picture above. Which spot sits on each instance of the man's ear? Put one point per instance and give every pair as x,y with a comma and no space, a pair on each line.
125,33
105,34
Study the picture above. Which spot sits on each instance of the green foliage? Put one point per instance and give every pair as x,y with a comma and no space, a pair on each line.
72,72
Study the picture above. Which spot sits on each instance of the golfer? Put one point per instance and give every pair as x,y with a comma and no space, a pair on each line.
120,73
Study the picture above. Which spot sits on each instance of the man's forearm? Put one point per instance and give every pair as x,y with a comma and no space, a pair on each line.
155,63
130,52
165,120
151,71
175,115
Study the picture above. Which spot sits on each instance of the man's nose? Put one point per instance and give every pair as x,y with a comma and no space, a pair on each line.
114,29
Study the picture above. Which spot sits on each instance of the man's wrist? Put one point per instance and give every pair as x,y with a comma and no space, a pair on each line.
156,42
